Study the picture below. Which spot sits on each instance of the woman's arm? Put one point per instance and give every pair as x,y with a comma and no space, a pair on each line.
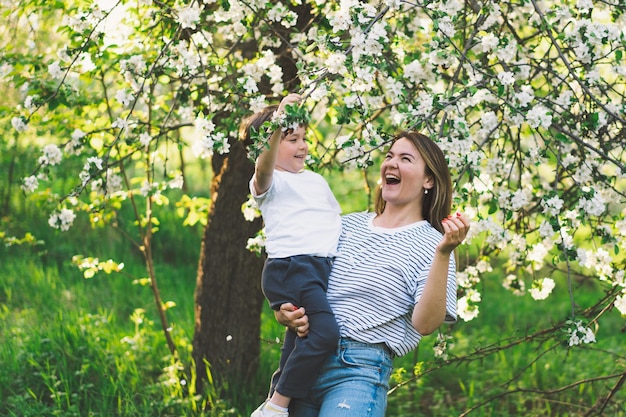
430,311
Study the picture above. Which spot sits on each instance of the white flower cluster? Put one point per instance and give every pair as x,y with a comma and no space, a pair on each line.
467,281
30,184
62,219
353,149
250,210
51,155
207,139
542,288
18,124
112,183
620,303
257,243
578,334
92,166
188,16
442,346
467,305
514,284
600,261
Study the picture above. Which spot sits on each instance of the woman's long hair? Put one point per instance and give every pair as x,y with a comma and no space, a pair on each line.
436,205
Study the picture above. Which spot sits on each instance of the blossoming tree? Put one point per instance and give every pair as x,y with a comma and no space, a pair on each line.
527,100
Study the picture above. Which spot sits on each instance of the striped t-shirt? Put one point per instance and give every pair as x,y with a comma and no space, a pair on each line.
379,275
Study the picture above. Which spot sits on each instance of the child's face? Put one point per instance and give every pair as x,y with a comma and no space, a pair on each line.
292,151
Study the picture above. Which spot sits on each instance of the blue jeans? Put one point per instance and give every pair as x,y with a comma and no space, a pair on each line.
352,383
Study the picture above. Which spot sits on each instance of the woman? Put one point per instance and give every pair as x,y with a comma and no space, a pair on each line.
392,281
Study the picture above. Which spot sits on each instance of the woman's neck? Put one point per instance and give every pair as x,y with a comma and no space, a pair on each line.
393,216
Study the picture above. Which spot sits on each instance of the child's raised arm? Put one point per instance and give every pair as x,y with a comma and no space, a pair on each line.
265,163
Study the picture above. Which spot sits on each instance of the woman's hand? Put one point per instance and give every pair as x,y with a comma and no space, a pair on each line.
455,229
294,318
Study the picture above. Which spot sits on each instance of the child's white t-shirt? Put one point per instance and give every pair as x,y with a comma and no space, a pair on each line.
301,215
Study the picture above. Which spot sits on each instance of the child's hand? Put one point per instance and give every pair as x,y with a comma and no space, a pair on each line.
289,100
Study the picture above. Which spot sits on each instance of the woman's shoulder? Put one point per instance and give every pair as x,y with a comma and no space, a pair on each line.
358,216
357,219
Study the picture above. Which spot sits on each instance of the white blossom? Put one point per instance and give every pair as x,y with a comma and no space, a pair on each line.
108,185
506,78
62,219
147,187
446,26
335,63
18,124
188,16
177,182
542,288
488,42
424,104
5,69
442,345
55,71
519,199
525,96
124,97
145,139
578,333
552,206
620,303
546,229
537,254
514,284
584,5
414,71
594,206
257,243
466,307
120,123
539,116
250,210
28,102
30,184
51,155
95,161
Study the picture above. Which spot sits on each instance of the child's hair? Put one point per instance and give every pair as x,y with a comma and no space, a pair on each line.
255,121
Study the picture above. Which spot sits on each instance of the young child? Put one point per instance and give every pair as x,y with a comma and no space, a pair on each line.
302,226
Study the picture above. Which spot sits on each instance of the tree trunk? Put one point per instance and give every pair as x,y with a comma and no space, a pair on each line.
228,298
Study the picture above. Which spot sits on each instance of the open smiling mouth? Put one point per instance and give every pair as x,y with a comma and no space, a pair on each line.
392,179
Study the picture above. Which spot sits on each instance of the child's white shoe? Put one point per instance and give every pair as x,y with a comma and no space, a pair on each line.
267,410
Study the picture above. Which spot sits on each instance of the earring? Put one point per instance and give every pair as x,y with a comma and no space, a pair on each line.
426,191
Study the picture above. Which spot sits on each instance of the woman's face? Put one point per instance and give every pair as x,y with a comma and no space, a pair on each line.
292,151
403,174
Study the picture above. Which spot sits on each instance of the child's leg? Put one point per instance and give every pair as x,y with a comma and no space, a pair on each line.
285,351
275,272
301,368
